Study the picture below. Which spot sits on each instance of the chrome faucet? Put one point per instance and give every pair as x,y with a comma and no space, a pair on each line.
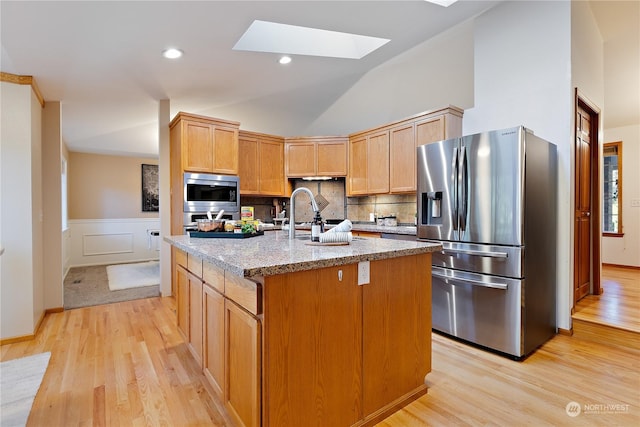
292,209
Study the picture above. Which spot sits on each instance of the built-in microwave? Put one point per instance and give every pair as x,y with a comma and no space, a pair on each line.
212,193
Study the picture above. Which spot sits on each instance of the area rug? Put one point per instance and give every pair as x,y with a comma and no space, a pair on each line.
125,276
20,380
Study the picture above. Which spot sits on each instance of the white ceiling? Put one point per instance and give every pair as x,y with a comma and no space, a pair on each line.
103,61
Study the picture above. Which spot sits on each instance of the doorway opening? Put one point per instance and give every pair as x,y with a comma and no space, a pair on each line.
586,269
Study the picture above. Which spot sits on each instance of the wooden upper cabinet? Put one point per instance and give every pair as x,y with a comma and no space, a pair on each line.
205,144
301,159
378,163
261,164
271,168
316,156
357,177
371,171
248,165
402,159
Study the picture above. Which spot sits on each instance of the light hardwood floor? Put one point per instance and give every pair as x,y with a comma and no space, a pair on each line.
125,364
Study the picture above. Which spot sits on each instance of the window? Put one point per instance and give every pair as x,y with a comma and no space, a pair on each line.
612,193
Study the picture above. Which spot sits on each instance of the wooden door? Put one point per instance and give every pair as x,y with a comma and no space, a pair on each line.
378,163
225,150
197,147
213,346
271,168
242,365
248,167
332,158
402,159
182,300
195,317
301,159
582,268
357,177
313,351
430,130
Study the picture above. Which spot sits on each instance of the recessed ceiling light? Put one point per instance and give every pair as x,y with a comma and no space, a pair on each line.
284,60
172,53
263,36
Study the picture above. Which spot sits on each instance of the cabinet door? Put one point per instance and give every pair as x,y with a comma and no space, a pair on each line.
402,159
213,357
357,177
182,300
396,335
430,130
271,168
300,159
195,317
378,163
225,150
332,158
248,166
242,365
313,356
197,147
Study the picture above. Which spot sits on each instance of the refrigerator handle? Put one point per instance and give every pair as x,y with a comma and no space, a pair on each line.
462,201
455,280
454,211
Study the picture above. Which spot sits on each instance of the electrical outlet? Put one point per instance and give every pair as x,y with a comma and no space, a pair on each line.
635,203
363,273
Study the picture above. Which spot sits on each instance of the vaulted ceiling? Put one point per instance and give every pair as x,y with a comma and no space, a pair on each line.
102,59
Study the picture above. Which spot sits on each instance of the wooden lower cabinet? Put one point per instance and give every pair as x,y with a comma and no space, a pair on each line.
243,346
396,335
182,300
195,317
312,348
213,335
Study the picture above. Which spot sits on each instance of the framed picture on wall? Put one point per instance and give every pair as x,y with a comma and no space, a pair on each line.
150,188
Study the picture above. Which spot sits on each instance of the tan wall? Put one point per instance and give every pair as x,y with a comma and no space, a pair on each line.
102,187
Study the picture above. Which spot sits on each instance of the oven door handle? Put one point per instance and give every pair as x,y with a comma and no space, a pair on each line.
475,253
457,280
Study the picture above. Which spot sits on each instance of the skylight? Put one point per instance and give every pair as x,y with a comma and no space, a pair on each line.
263,36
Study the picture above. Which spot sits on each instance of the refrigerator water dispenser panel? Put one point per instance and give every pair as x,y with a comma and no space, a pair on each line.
431,208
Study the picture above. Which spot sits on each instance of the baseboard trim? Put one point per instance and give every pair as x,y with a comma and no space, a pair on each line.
566,332
630,267
13,340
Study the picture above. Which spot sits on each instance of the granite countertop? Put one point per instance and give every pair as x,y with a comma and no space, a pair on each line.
370,227
273,253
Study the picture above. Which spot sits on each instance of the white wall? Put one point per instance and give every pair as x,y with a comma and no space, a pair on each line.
626,250
434,74
21,282
522,77
112,241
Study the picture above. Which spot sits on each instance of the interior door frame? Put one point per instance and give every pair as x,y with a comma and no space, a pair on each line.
596,193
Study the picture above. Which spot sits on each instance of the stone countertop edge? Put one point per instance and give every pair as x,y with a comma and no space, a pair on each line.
273,253
410,230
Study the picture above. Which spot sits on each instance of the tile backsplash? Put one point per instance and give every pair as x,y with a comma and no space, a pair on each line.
334,204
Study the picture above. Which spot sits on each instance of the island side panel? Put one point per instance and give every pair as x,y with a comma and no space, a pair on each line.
397,334
312,361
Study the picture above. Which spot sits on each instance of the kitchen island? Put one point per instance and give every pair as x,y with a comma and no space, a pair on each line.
286,335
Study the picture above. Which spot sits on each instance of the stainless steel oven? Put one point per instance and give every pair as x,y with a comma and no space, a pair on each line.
211,193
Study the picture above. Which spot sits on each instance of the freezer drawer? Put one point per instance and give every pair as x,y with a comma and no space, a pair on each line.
482,309
506,261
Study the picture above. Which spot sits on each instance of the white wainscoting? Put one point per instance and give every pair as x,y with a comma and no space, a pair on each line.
112,241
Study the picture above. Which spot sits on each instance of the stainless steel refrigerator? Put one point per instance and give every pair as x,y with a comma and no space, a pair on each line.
490,200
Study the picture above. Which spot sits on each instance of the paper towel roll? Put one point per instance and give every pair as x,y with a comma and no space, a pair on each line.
336,236
345,226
